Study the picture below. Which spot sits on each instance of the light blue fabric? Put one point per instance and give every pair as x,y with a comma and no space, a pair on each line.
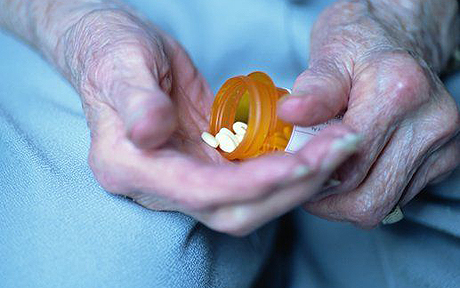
58,228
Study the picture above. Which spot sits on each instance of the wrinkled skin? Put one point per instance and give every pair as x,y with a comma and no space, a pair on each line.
363,65
146,107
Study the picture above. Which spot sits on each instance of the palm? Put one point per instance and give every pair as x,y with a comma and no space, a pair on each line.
193,100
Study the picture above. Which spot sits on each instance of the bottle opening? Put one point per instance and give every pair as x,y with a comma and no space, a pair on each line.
252,100
242,110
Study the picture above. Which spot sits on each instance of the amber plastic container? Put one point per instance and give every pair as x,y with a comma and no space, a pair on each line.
251,99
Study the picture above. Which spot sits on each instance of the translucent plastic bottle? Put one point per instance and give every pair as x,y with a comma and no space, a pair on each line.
251,99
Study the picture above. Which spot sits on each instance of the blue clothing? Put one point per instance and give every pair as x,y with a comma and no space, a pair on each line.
59,228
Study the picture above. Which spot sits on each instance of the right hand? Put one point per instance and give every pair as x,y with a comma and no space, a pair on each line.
146,106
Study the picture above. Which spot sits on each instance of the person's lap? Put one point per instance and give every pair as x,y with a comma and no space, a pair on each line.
58,228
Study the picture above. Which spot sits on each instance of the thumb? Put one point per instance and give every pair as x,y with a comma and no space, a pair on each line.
147,112
318,95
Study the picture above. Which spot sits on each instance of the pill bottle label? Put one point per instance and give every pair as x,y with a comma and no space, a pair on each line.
301,135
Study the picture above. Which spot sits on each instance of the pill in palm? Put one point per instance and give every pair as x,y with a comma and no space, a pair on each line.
209,139
240,127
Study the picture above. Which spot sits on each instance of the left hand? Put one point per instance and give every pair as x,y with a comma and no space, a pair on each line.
386,81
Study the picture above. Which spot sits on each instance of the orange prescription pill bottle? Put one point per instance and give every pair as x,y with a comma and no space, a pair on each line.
253,100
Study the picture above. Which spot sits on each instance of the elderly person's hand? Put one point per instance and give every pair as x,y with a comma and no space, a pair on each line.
377,61
146,106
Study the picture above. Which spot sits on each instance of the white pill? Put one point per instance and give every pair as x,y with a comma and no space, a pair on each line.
225,130
209,139
239,137
240,127
226,143
229,133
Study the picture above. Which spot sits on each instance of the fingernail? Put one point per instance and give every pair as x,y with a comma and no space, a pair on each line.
395,216
292,99
348,143
331,183
301,171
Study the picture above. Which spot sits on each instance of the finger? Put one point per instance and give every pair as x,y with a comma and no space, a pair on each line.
115,59
241,217
378,107
191,185
322,91
382,189
440,163
207,185
319,93
147,112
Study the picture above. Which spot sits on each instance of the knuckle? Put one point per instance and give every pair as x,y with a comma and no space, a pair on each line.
410,88
405,82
